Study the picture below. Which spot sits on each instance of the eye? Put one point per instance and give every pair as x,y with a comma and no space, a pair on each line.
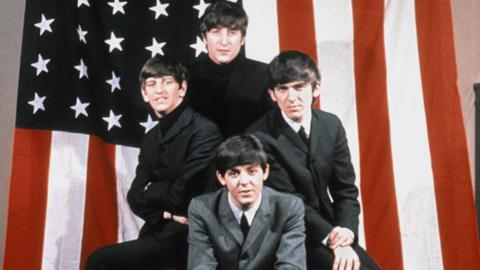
300,87
232,173
282,89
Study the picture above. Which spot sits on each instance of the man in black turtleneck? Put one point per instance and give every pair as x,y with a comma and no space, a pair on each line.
225,86
171,166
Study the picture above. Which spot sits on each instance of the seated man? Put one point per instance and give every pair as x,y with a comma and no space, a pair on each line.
245,226
309,157
173,156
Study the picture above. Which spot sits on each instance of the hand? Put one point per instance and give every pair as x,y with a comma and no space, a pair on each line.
345,259
180,219
167,215
340,237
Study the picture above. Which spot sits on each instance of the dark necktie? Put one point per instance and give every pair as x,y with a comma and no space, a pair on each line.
303,135
244,226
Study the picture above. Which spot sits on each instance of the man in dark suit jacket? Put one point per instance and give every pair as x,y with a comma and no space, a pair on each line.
309,157
245,226
173,156
225,86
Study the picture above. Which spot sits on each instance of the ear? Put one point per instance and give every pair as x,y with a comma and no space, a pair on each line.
183,89
242,42
316,90
144,94
266,172
272,95
220,178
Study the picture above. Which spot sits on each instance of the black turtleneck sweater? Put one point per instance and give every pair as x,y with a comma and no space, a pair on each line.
167,121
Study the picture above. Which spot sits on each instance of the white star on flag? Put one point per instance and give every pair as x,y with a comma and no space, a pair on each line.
201,8
114,82
156,48
44,25
114,42
80,108
117,6
81,34
83,2
41,64
37,103
149,124
82,69
112,120
160,9
199,47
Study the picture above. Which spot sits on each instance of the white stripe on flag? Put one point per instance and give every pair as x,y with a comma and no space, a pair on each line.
262,35
126,159
334,35
410,147
65,202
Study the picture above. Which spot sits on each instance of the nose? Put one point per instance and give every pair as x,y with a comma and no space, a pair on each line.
292,94
224,37
244,179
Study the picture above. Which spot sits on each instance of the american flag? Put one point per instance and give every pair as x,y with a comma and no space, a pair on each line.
388,71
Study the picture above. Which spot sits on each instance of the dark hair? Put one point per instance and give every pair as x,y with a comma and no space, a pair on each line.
224,14
159,66
290,66
240,150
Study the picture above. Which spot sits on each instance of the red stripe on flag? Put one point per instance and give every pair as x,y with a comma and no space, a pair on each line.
296,28
382,229
27,199
100,218
446,133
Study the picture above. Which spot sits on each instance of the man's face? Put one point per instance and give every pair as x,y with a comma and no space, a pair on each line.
163,94
294,98
223,44
245,183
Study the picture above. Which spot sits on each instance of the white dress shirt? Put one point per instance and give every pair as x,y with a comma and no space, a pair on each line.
249,214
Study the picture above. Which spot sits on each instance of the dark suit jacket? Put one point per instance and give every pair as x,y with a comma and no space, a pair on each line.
275,239
313,171
233,109
173,164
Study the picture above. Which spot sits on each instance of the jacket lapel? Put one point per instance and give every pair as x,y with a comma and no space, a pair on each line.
283,131
228,220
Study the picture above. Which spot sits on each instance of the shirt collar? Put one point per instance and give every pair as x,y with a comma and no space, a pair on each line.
249,214
306,122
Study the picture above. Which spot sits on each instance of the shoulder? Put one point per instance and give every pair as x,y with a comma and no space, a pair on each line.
200,122
206,202
263,124
284,201
326,118
253,66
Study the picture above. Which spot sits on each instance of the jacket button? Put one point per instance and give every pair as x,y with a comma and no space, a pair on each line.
244,256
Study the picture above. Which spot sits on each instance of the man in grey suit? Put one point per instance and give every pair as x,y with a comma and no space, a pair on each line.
245,226
309,157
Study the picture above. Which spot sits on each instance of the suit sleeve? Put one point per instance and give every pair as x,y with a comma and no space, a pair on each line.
201,151
200,249
342,185
140,198
291,253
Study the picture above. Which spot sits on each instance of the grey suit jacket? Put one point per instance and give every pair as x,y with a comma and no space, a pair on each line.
276,239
